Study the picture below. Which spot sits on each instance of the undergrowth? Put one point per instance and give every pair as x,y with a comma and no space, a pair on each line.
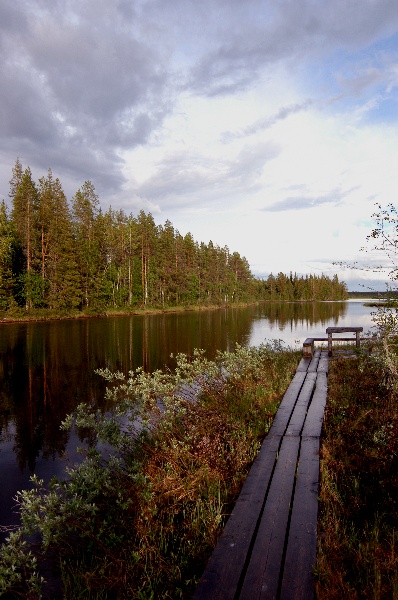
358,522
141,520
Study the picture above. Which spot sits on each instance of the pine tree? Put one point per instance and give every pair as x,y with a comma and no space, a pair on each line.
167,264
148,238
25,203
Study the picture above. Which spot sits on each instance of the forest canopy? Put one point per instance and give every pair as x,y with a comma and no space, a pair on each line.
73,256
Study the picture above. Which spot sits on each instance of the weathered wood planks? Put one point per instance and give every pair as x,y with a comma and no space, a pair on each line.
268,546
300,556
263,571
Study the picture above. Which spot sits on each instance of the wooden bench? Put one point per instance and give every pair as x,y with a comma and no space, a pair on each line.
309,347
268,546
331,330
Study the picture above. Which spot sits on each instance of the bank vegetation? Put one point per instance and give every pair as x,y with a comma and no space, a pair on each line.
141,513
358,520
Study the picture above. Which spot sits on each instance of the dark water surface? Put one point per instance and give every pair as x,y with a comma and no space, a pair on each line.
46,369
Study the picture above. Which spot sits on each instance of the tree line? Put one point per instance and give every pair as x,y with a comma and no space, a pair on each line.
309,287
60,255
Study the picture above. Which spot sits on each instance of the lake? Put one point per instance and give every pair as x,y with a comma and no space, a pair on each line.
47,368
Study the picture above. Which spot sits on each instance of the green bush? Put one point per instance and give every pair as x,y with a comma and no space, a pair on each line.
140,515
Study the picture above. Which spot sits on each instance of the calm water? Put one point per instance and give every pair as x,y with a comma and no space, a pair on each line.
46,369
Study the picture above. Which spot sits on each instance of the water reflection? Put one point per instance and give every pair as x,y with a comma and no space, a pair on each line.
295,314
46,369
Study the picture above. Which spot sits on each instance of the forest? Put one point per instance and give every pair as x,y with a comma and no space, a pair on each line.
73,256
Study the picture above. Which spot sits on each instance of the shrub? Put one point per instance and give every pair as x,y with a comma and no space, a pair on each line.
140,515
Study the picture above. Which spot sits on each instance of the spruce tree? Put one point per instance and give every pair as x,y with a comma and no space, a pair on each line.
86,216
25,205
8,259
58,250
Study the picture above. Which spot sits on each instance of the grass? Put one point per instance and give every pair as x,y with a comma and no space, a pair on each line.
358,520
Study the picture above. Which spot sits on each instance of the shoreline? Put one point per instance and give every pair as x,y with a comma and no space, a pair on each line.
37,318
42,316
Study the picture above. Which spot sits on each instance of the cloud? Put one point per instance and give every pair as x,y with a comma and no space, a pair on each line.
219,115
87,81
300,202
80,87
361,81
185,178
263,124
292,32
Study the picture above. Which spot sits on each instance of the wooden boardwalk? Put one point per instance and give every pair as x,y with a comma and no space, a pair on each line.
268,546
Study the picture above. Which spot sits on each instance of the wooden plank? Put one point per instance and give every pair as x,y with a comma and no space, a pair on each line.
347,339
286,407
304,364
343,329
263,571
226,565
314,418
323,365
314,363
248,560
300,410
297,581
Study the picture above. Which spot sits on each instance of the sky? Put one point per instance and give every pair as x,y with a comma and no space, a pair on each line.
268,126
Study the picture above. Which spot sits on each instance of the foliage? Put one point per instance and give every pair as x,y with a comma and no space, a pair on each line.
357,553
139,516
93,261
10,258
305,288
384,240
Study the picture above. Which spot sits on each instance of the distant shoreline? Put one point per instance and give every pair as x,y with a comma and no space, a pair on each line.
44,316
41,316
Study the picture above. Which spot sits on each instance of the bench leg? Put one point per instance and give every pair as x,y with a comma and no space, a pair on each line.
308,350
329,344
357,339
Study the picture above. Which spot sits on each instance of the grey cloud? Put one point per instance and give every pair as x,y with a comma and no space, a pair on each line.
302,202
182,178
13,19
251,161
360,81
83,81
79,84
298,203
292,31
23,115
261,125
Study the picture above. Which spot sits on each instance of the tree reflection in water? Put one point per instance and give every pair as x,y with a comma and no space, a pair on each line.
46,369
